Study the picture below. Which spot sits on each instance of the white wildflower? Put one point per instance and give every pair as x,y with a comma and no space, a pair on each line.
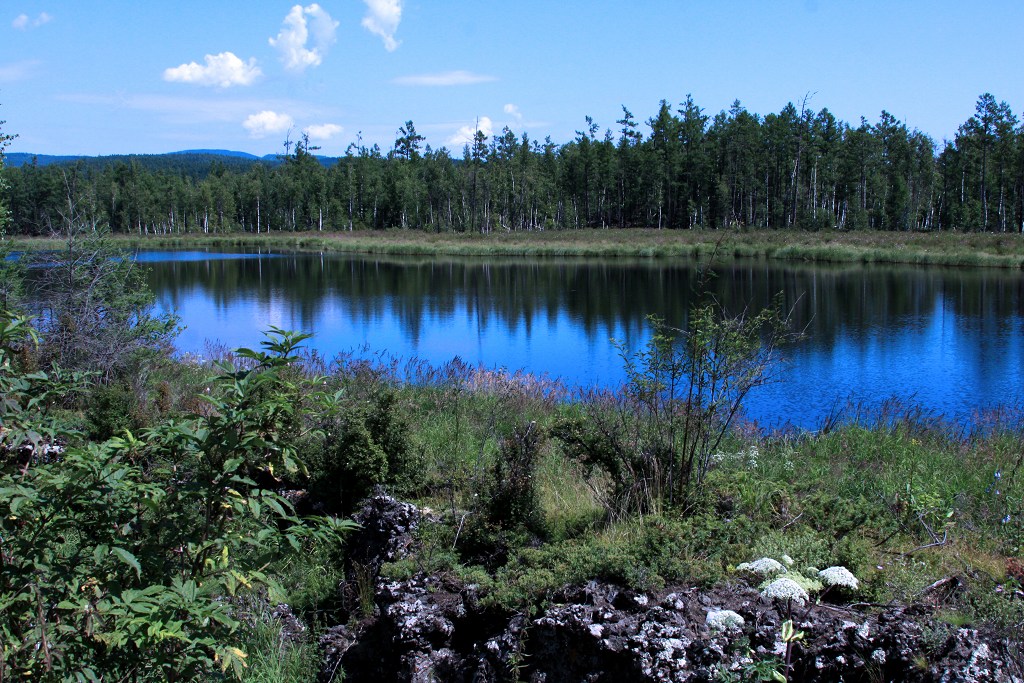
724,620
785,589
765,566
787,560
838,576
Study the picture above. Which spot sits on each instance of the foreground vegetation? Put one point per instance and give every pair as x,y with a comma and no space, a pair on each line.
147,534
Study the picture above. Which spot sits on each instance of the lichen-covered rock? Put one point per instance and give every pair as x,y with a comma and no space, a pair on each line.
429,629
385,534
434,628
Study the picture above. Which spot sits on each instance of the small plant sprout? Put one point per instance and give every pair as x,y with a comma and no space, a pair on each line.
785,589
790,636
724,620
838,577
765,566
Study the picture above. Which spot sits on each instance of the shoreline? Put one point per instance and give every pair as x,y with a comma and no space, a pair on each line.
988,250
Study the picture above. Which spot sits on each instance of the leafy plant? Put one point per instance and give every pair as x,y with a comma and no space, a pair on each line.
513,496
655,438
28,424
121,560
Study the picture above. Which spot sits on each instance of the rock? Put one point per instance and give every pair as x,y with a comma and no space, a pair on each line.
385,534
292,628
436,630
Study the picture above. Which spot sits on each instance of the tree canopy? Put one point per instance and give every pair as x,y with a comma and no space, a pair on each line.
796,169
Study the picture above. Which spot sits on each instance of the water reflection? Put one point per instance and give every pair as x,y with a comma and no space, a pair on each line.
950,338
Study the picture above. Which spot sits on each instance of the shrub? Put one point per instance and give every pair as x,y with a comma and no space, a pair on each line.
109,411
93,305
360,444
513,498
656,437
120,559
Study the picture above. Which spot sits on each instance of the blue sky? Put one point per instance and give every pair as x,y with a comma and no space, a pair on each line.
116,77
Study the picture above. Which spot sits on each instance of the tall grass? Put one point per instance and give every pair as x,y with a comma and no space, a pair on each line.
950,249
901,497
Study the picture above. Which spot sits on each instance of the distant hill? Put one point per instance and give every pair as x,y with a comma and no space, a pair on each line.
21,158
196,162
222,153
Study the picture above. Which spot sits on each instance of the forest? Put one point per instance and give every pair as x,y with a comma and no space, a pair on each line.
681,169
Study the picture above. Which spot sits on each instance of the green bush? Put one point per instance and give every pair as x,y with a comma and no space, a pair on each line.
120,562
360,445
109,411
655,439
512,501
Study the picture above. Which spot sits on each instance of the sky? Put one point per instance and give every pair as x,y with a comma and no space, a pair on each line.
148,77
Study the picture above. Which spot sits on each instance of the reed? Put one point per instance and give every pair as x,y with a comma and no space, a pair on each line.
927,249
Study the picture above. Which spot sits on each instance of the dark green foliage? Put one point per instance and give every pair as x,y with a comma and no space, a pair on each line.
655,552
119,558
796,169
389,429
359,461
109,411
513,501
31,399
364,444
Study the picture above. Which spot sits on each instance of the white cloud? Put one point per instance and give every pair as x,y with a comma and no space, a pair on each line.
223,70
193,111
322,131
382,19
513,111
267,123
18,71
23,21
295,34
445,79
465,134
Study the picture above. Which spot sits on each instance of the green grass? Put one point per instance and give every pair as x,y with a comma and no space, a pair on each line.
950,249
901,502
272,657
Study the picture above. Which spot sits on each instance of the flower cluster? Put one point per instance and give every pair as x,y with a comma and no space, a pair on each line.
724,620
765,566
838,576
785,589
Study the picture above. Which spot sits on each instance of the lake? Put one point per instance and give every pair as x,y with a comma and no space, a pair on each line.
948,339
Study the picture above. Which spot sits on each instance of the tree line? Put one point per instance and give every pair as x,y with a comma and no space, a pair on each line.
682,168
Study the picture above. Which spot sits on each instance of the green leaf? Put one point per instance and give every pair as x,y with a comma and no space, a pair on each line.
128,559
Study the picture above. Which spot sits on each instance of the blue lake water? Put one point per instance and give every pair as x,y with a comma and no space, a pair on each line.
949,339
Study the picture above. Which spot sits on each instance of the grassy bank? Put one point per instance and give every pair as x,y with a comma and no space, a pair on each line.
949,249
